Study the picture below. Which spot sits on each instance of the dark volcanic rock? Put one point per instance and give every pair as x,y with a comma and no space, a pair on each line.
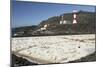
18,61
89,58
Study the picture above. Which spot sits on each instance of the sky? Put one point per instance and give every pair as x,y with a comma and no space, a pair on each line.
32,13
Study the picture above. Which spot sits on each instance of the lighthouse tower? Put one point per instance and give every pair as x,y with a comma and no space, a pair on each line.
61,22
74,16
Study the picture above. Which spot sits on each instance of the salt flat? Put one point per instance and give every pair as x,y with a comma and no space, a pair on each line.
54,49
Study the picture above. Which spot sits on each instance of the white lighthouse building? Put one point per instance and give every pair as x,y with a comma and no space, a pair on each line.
74,17
61,22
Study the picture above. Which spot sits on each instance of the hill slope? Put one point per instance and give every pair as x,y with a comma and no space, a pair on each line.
86,23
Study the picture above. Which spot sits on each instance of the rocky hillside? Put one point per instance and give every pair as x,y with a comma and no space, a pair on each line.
86,23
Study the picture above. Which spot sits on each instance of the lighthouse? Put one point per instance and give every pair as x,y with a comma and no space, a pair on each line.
74,17
61,22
